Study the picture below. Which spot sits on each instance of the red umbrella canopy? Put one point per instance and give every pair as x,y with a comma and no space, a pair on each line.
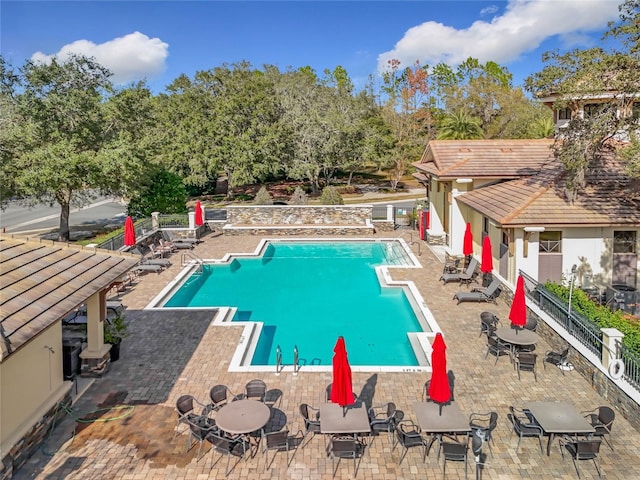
129,232
518,312
439,389
487,257
341,389
199,219
467,245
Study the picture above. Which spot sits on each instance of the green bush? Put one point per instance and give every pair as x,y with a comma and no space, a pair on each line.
263,197
331,196
601,315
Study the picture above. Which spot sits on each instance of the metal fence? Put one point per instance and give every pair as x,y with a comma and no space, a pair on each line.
583,329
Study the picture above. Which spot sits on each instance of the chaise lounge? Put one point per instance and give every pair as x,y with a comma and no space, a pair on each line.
489,294
467,276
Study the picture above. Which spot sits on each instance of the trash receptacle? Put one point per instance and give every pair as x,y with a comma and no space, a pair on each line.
71,359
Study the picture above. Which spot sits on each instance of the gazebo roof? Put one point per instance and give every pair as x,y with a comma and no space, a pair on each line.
41,281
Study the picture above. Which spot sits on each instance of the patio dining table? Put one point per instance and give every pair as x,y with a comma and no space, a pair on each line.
517,336
559,417
243,417
435,420
350,419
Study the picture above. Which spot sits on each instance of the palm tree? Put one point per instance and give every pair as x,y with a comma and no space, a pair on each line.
460,125
542,128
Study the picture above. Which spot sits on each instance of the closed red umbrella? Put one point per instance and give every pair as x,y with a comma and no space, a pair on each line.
199,219
129,232
467,244
518,312
487,257
439,388
341,388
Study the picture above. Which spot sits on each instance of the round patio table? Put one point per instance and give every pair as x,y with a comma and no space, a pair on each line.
517,336
243,416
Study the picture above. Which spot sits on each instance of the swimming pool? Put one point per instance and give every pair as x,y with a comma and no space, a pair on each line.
305,294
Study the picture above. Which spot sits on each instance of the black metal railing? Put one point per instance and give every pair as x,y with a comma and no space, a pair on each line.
583,329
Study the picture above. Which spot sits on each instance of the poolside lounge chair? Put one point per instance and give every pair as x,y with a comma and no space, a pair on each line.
469,274
163,262
145,267
488,294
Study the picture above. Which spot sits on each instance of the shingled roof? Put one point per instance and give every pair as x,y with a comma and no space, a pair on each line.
42,281
540,200
500,159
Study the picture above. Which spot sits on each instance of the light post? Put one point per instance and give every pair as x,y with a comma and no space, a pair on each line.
573,277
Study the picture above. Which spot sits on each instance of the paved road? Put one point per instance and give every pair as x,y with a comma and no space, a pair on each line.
16,218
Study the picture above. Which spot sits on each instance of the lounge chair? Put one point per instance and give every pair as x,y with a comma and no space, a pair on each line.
468,275
145,267
489,294
163,262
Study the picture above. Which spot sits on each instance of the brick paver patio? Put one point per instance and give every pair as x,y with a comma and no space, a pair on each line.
173,353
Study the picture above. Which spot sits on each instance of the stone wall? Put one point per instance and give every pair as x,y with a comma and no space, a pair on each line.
28,444
299,219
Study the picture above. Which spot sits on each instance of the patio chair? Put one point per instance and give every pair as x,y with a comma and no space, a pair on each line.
168,247
559,359
156,252
311,417
581,449
488,323
451,264
220,395
279,441
408,435
531,324
454,450
602,420
147,267
526,362
524,426
470,273
488,294
255,390
164,262
486,423
345,446
497,347
327,394
383,421
227,447
186,408
200,426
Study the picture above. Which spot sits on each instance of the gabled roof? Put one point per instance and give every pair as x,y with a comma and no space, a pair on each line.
502,159
540,200
42,281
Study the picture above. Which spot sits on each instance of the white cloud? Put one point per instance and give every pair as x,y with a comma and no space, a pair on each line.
523,26
130,58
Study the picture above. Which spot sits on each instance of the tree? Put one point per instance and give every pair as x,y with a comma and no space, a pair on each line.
331,196
459,125
73,140
579,75
163,192
263,197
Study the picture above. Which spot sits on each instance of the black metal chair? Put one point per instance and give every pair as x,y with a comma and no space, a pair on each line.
255,390
227,447
581,449
185,407
488,323
526,362
383,421
496,347
200,426
345,446
559,359
485,422
219,395
454,450
602,420
279,441
531,324
524,426
311,422
408,435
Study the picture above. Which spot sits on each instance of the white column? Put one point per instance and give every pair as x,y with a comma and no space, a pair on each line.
390,213
610,339
192,220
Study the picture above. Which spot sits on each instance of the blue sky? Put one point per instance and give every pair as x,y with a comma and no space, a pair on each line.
159,40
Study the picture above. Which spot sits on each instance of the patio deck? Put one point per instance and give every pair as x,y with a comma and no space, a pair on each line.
175,353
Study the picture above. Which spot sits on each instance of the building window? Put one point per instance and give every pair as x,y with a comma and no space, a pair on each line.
485,227
550,242
564,114
635,111
592,109
624,242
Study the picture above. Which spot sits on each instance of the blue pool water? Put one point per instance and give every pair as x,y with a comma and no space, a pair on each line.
307,294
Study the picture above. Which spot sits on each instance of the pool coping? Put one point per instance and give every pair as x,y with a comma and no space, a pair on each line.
420,341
